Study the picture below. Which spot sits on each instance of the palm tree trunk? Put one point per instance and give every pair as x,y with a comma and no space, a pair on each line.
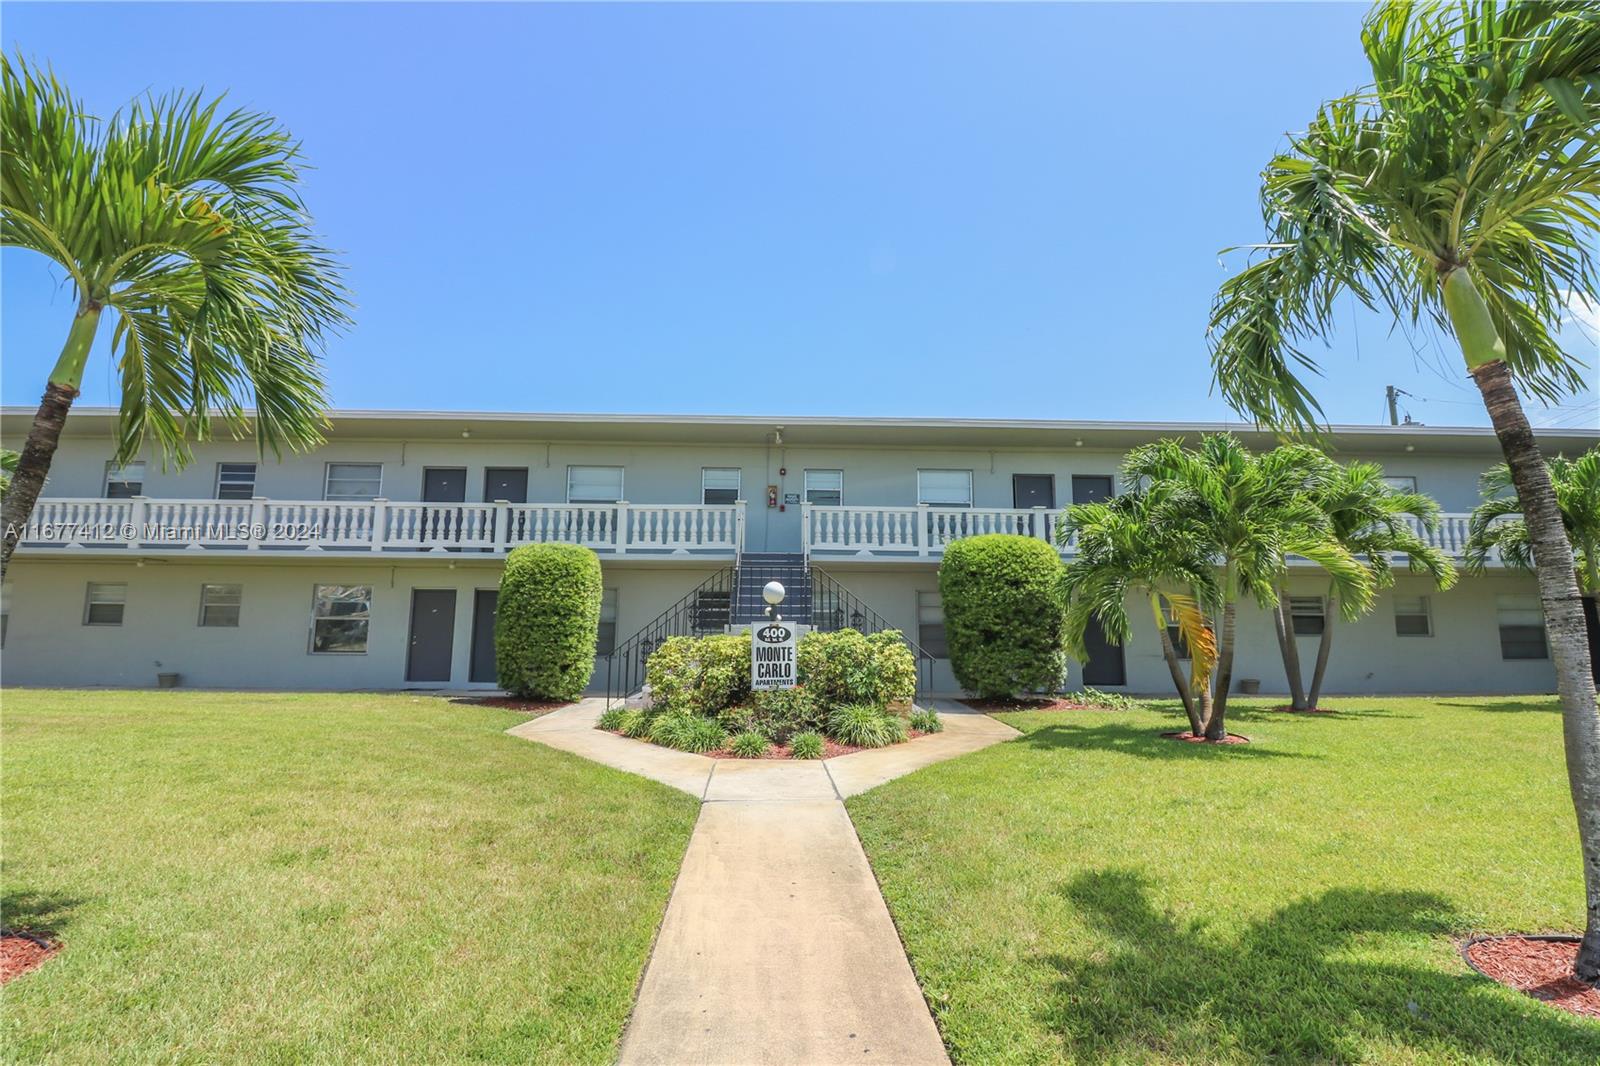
1565,630
1324,649
1291,653
1175,668
1216,721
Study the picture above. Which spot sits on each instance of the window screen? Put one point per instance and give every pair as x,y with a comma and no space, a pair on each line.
719,484
825,487
236,481
594,484
340,615
219,605
1306,615
103,604
353,481
1411,617
125,481
945,488
1521,621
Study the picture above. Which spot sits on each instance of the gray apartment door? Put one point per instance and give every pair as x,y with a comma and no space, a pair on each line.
509,483
1091,488
1033,490
433,630
1105,665
484,602
443,484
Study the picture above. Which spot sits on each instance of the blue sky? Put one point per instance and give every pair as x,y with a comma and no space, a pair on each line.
979,211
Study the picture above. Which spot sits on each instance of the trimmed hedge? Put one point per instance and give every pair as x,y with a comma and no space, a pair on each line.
547,621
1004,614
699,675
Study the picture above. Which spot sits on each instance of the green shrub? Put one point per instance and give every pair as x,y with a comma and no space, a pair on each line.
687,732
547,621
864,726
806,745
895,667
924,720
848,667
634,723
781,712
613,717
699,675
1004,614
1114,701
748,745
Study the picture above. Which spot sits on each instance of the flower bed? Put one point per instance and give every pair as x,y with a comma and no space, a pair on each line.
855,692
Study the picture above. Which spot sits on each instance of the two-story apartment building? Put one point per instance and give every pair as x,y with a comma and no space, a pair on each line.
373,562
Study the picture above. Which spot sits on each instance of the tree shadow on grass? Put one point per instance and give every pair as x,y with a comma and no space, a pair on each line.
1143,742
1550,706
37,912
1306,983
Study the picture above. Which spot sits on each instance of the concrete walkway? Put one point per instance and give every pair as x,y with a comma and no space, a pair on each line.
777,946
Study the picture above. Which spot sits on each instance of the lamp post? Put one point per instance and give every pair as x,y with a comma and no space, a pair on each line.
773,593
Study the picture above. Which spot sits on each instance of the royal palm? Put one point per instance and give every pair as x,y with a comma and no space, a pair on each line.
180,228
1461,188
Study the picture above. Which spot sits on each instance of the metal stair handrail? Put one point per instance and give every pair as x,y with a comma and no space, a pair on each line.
625,664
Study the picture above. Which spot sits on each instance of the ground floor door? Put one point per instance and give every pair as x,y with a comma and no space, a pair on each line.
482,670
433,628
1105,665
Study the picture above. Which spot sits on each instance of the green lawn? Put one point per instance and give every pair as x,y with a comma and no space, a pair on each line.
1089,892
276,877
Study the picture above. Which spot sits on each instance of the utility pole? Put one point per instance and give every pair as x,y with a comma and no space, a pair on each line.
1391,394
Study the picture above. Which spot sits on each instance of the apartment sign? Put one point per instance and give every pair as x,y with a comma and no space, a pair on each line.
772,655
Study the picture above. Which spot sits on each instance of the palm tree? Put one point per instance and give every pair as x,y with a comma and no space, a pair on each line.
1238,513
1373,522
1123,550
184,221
1497,526
1462,185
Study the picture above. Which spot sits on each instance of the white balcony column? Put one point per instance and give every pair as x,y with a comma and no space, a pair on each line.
380,522
622,531
138,515
257,521
922,532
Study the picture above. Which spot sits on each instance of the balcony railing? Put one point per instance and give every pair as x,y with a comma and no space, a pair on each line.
382,525
922,532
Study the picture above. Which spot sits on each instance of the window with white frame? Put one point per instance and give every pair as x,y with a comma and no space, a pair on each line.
1307,615
236,481
930,625
594,484
353,481
606,642
825,487
219,606
1521,621
1401,482
719,484
124,481
340,615
1412,617
103,603
945,488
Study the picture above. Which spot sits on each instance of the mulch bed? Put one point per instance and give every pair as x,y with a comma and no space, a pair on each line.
1286,709
1030,703
1538,966
21,952
510,703
1189,738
